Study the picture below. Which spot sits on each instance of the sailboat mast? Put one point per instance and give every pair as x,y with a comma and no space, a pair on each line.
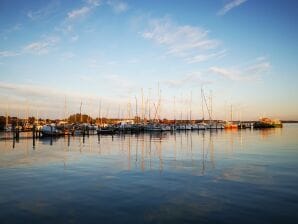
175,109
99,112
81,112
136,107
149,104
190,104
65,108
6,122
203,118
142,107
231,112
211,115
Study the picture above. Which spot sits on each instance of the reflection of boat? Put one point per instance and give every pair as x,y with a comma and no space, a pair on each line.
268,123
50,130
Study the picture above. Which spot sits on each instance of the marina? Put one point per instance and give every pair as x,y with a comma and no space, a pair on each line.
148,112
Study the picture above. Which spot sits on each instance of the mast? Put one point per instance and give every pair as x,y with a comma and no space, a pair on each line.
119,112
175,109
136,107
207,107
99,111
190,109
27,113
129,109
158,101
65,108
6,122
211,115
142,107
149,110
81,112
231,113
203,118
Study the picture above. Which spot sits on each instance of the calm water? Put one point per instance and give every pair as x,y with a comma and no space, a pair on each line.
187,177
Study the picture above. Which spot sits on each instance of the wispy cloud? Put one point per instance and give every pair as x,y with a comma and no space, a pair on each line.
229,6
84,10
94,2
193,79
43,46
120,83
118,6
77,13
46,99
9,53
188,42
205,57
5,32
74,38
250,72
67,56
44,12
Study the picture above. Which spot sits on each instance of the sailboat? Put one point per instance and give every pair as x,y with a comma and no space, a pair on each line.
230,124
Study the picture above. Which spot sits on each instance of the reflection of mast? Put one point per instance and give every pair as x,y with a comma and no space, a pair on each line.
136,152
191,154
142,155
160,156
150,147
211,150
128,165
203,155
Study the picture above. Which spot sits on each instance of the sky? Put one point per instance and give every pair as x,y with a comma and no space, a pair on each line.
111,54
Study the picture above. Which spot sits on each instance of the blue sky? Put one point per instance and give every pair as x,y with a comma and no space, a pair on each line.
243,52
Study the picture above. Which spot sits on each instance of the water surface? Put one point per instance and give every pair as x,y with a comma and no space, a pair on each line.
247,176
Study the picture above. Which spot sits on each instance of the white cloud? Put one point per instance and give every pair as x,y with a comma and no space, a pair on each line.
77,13
133,61
229,6
188,42
94,2
119,82
118,6
42,47
6,32
84,10
193,79
74,38
68,56
8,53
48,100
205,57
44,12
251,72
